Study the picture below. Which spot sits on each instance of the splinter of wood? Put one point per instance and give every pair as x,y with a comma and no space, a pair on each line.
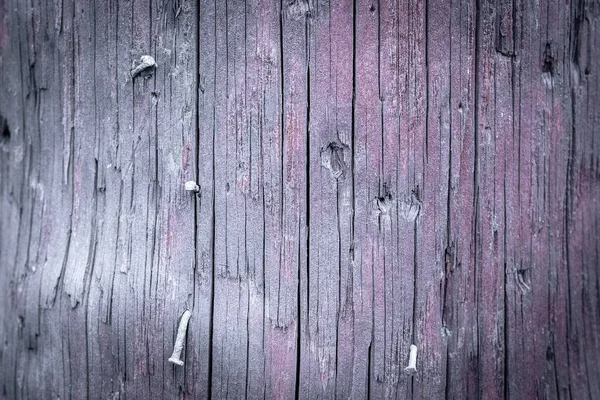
145,67
412,360
176,356
192,186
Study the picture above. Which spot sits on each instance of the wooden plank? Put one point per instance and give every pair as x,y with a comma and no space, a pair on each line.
278,356
286,314
103,291
199,374
578,154
551,145
428,191
262,115
524,269
229,343
491,131
432,231
172,280
325,159
86,233
368,186
342,73
458,286
397,206
328,352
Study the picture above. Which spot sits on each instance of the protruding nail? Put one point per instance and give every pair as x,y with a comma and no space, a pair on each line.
144,68
176,356
412,360
192,186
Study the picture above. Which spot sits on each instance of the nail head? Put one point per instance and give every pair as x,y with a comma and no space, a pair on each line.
192,186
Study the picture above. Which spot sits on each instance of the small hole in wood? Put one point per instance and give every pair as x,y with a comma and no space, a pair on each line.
5,135
548,65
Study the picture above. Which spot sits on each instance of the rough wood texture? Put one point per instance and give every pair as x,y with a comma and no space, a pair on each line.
373,174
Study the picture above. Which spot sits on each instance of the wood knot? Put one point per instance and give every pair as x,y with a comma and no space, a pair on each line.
383,206
384,203
297,9
449,260
548,67
410,206
332,158
523,276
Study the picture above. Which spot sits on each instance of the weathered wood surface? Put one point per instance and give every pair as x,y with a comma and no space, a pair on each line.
373,174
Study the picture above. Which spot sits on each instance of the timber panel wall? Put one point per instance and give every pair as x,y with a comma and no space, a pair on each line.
373,174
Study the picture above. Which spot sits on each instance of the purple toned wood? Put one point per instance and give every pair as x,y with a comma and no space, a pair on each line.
433,188
110,249
327,350
373,175
230,264
327,168
492,131
199,343
341,90
521,269
367,258
458,283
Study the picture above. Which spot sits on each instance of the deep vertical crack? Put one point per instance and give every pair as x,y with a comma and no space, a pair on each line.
477,12
213,244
